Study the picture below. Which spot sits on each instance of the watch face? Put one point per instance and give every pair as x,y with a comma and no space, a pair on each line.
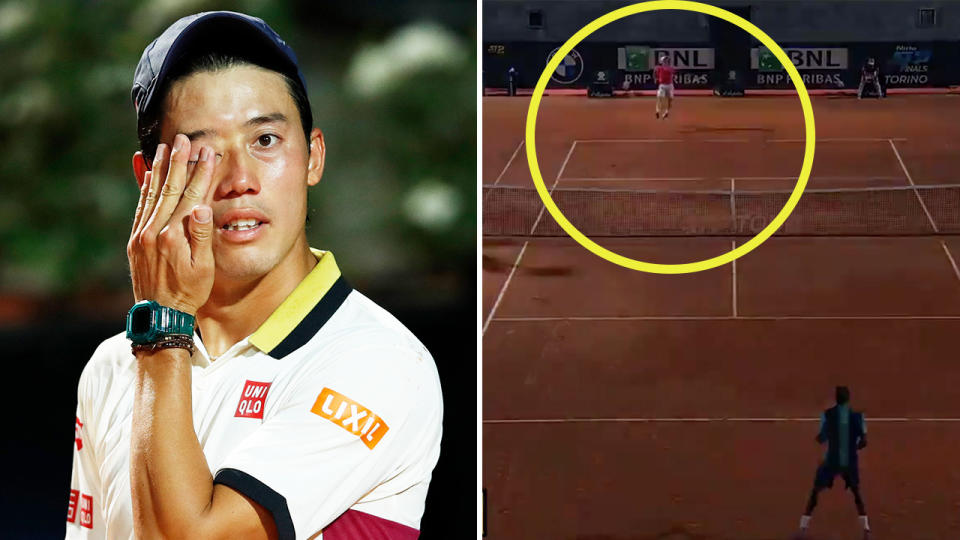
140,320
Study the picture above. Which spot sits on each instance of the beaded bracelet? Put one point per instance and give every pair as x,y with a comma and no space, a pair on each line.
176,341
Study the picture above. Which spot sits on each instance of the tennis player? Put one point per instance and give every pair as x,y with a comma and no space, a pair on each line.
845,432
870,74
663,75
255,394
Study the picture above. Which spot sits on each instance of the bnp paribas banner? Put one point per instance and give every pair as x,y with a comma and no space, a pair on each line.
693,65
820,67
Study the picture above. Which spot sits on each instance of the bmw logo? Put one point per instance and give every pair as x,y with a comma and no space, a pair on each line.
570,68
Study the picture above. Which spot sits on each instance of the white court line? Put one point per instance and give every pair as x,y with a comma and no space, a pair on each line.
819,140
953,263
818,177
629,141
733,205
505,167
840,139
509,162
733,265
633,179
756,191
915,192
731,318
556,181
503,289
696,420
701,178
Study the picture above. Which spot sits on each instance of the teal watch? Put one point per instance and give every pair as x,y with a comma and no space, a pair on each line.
149,322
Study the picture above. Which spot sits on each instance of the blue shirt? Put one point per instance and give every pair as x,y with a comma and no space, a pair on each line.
843,441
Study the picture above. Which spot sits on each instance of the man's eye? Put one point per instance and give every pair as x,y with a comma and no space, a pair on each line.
267,140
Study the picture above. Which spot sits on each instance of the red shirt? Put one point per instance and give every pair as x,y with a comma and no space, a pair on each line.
663,74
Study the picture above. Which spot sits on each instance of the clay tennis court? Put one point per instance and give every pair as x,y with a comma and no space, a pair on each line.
622,405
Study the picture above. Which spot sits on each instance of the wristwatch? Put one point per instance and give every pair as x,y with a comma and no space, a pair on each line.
148,322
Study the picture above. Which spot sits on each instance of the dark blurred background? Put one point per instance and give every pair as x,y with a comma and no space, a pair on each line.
393,87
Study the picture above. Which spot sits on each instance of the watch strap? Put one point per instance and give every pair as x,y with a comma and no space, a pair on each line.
171,321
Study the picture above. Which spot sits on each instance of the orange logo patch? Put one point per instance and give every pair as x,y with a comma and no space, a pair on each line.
351,416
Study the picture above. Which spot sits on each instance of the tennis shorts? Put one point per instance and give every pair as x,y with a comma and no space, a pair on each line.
665,90
826,473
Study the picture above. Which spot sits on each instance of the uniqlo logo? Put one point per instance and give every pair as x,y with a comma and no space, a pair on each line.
76,434
252,400
72,508
86,511
351,416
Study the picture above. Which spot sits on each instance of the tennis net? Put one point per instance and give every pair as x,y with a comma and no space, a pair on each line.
886,211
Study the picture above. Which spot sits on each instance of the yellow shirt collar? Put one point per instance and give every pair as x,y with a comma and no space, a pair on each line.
305,310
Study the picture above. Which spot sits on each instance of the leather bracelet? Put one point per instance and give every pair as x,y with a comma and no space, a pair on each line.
176,341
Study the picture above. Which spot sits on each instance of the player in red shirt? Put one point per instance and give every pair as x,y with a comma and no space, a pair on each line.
663,75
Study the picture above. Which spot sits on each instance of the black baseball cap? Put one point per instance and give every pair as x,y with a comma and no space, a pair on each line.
222,32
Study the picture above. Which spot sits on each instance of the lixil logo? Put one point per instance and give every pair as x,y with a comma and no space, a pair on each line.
351,416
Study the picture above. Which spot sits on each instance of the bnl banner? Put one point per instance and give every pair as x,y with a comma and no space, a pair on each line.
693,65
819,67
901,65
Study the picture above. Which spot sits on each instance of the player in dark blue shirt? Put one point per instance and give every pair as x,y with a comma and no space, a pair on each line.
845,433
870,74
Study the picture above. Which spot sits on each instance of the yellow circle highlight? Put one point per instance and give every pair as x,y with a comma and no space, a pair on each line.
683,268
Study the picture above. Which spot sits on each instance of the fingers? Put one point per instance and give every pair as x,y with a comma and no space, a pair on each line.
144,188
192,162
157,174
198,183
201,229
170,198
173,185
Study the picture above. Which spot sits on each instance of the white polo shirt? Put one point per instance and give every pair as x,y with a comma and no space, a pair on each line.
329,416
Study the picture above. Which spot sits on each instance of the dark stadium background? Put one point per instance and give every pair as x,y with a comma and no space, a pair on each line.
915,43
393,86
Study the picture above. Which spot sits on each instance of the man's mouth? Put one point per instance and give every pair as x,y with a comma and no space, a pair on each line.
241,225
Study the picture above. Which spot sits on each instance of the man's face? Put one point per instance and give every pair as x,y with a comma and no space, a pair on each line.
259,190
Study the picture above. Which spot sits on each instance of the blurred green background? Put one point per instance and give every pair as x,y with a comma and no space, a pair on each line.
393,87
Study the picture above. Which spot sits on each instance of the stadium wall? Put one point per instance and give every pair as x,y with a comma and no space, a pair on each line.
828,42
835,67
807,21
